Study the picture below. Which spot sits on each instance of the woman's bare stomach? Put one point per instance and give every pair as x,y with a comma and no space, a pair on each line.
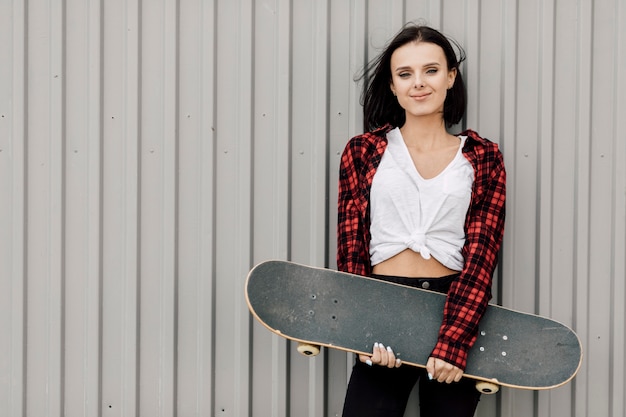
411,264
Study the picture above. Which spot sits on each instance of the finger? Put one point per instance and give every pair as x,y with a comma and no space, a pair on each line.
391,358
384,355
430,368
455,375
438,370
458,376
366,359
376,355
442,370
446,375
442,375
449,373
450,378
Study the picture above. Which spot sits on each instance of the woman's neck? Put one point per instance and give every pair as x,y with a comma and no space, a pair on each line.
424,132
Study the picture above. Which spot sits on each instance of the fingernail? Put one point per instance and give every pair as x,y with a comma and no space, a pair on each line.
430,376
369,362
389,349
376,345
398,361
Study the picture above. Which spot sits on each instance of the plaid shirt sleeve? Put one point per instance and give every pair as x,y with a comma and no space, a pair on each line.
359,161
468,296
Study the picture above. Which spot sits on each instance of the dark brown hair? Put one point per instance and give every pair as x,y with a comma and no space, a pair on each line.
380,106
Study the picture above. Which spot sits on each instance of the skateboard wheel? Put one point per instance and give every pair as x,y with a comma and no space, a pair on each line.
487,387
307,349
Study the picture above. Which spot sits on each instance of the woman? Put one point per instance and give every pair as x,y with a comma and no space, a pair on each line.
420,207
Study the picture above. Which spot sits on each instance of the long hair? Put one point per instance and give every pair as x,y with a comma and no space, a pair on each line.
380,106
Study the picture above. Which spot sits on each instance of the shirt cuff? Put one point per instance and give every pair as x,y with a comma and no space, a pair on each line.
453,353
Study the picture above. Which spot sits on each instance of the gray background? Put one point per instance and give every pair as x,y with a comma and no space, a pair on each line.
152,151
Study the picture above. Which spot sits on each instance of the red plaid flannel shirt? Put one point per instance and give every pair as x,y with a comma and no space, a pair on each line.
468,296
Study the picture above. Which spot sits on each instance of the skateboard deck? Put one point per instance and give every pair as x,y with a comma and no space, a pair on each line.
323,307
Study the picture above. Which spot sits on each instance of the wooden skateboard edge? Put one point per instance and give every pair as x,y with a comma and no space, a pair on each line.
340,348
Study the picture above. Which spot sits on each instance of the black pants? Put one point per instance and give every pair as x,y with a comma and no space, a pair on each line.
380,391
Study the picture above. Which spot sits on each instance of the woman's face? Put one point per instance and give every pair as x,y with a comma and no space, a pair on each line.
420,78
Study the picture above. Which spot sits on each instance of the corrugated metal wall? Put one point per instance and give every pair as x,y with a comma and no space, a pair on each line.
152,151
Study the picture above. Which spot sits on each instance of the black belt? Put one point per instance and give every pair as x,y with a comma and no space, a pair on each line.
441,284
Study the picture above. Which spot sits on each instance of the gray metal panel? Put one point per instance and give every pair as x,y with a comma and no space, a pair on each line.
195,235
120,290
346,57
307,179
158,217
82,182
44,275
152,151
12,208
271,119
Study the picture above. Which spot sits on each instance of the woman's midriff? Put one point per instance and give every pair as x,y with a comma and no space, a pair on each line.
412,265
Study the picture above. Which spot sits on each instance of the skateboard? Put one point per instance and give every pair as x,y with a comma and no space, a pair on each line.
319,307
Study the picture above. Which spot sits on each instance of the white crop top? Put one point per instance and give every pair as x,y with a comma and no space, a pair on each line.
424,215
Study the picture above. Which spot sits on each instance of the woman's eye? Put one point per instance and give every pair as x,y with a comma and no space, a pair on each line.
404,75
431,71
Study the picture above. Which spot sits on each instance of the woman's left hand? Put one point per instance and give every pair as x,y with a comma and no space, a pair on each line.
443,371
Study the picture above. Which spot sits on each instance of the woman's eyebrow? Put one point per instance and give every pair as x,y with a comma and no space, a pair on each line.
407,67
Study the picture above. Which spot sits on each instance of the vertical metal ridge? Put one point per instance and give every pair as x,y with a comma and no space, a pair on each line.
13,174
583,130
328,146
508,133
25,198
470,74
618,220
176,226
213,105
290,131
100,220
545,173
131,342
171,169
138,206
63,202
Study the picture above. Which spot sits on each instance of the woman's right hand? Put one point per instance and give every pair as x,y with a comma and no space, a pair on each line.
382,356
